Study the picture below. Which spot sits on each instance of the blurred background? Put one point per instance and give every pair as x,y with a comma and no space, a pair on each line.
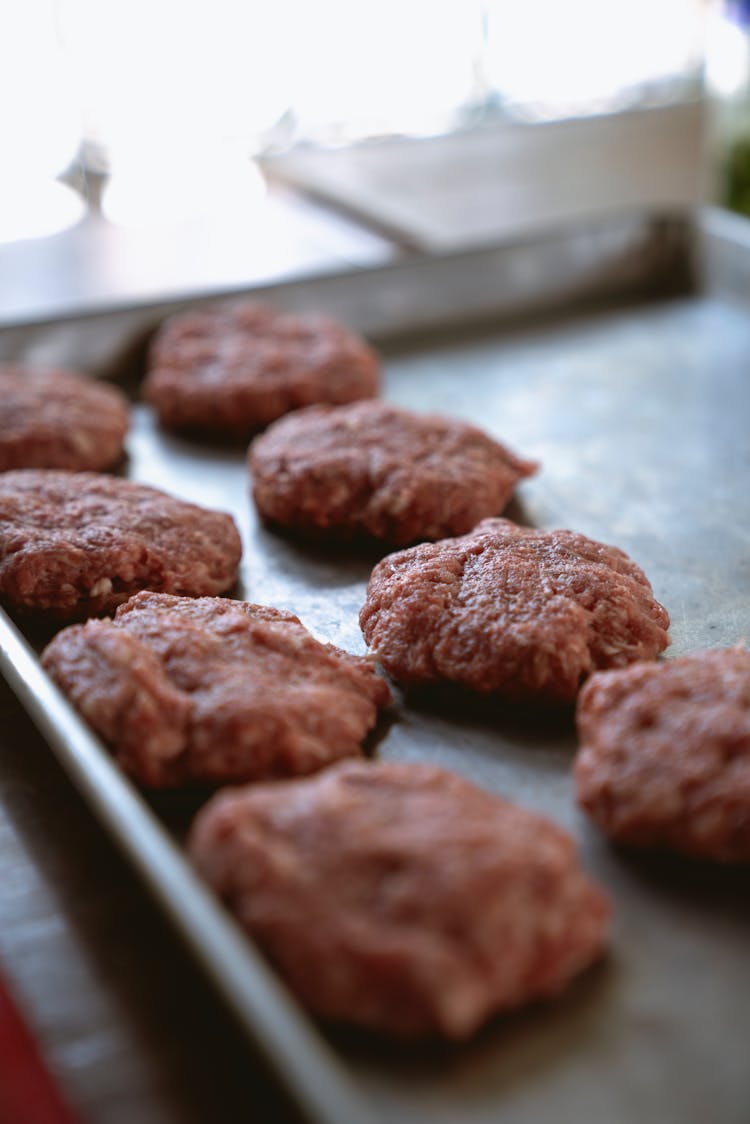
220,135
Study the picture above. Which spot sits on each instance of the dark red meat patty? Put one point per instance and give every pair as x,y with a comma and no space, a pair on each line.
75,544
374,469
400,897
206,690
233,368
508,609
59,419
664,756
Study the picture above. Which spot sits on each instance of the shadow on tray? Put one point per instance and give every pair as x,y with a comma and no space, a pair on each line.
532,720
513,1044
710,886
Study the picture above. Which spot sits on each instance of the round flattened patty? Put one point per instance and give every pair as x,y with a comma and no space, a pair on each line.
664,756
401,897
374,469
507,609
233,368
208,690
59,419
75,544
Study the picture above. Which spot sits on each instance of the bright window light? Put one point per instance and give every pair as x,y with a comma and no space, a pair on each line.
178,95
163,187
574,56
36,209
40,125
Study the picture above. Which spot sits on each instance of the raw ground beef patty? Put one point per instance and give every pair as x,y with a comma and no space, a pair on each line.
75,544
512,610
374,469
233,368
208,690
59,419
664,756
401,897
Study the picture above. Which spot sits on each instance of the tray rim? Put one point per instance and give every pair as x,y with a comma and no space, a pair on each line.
415,269
283,1033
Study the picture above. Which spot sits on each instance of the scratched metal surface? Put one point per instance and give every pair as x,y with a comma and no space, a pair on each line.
639,415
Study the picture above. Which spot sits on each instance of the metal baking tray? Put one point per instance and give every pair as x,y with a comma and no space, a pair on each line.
617,353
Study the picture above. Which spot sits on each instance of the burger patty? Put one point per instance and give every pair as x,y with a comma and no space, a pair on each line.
400,897
59,419
523,613
76,544
207,690
374,469
233,368
664,756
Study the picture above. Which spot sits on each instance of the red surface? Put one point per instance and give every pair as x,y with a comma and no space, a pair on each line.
28,1095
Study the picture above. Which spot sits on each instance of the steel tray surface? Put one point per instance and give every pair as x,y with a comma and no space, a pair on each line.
617,354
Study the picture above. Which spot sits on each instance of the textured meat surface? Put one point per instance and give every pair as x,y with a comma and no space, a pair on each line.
401,897
233,368
78,544
208,690
509,609
664,756
374,469
59,419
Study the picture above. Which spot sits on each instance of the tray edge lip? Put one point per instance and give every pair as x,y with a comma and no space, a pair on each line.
304,1065
689,219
